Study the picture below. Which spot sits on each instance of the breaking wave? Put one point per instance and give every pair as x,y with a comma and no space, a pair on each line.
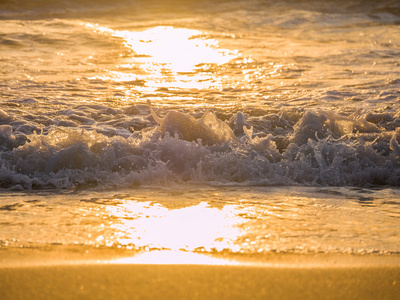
313,148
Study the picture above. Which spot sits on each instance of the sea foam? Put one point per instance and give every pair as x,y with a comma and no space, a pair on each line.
320,149
208,129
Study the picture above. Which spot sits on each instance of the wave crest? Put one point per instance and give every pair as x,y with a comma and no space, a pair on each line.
321,149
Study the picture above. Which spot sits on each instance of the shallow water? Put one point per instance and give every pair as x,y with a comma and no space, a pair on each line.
283,116
210,220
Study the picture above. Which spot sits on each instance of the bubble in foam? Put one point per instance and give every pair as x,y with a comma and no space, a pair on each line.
5,131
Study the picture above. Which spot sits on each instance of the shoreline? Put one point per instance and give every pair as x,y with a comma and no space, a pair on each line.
53,255
103,274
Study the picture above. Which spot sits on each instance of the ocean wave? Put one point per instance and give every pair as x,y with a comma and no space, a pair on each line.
313,148
11,9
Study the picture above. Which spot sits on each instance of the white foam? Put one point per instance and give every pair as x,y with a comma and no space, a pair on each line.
319,124
209,129
5,131
322,148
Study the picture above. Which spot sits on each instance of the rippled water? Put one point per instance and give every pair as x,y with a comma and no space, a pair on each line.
207,220
284,116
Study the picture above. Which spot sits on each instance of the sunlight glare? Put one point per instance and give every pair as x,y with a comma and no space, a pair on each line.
176,49
166,257
167,57
148,224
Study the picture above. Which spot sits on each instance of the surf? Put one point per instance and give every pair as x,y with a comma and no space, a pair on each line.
208,130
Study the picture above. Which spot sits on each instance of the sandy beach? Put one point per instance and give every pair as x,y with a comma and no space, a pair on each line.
37,274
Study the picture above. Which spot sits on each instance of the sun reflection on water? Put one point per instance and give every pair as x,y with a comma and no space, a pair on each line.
168,57
176,49
194,228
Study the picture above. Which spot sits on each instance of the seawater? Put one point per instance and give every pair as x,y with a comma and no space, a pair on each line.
236,126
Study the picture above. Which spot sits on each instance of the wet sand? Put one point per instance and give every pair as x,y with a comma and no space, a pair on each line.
27,274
